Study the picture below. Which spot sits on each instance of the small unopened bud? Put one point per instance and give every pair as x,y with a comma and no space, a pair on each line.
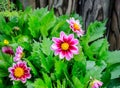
96,84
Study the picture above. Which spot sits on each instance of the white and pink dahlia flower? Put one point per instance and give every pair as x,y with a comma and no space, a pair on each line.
19,72
96,84
65,46
76,26
18,54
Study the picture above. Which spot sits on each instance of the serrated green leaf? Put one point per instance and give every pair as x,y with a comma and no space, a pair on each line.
59,69
4,28
45,46
32,67
47,22
95,30
78,69
96,45
47,80
34,26
39,83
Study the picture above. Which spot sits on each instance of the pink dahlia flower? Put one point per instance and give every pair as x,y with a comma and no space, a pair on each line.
7,50
75,26
19,71
65,46
96,84
18,54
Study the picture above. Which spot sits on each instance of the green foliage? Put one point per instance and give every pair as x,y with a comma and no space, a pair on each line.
45,46
34,30
39,83
113,57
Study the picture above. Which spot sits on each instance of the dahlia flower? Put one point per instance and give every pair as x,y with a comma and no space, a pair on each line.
96,84
76,26
18,54
19,72
65,46
7,50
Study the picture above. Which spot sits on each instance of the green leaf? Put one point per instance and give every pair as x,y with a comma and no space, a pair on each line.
115,72
77,83
61,85
45,46
47,22
34,26
95,30
103,50
39,83
96,71
4,28
32,67
5,63
17,84
47,80
115,83
90,65
59,69
113,57
78,69
40,12
29,84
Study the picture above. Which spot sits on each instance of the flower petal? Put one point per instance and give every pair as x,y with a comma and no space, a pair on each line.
61,55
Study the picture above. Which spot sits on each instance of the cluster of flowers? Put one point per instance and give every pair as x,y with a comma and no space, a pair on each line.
19,71
65,47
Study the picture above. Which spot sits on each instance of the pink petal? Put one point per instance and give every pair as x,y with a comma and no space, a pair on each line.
54,47
61,55
96,85
62,34
68,56
55,40
57,52
100,83
74,49
70,37
74,42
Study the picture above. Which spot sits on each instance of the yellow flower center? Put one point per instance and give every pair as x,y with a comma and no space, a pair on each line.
76,26
19,72
65,46
6,42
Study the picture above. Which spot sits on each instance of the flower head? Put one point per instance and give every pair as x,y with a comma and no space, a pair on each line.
18,54
65,46
19,72
6,42
96,84
75,26
7,50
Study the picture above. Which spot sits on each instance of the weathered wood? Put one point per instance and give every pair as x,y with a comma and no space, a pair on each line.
26,3
92,10
114,26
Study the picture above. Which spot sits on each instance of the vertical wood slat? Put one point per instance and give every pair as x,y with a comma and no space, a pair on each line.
114,29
